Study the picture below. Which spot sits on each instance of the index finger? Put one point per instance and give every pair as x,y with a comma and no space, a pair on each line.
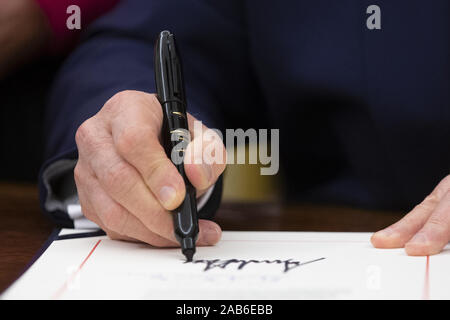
136,134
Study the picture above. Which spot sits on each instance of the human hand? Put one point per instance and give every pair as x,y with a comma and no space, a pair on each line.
125,181
423,231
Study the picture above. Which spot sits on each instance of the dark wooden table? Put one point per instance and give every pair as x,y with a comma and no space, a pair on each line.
24,229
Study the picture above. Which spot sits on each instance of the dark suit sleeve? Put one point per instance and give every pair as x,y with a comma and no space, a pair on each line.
117,54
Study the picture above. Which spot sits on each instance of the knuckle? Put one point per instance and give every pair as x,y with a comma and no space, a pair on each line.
83,134
153,167
446,183
133,139
429,202
118,100
443,188
77,174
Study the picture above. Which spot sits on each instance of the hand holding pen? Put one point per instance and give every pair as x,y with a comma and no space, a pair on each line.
126,183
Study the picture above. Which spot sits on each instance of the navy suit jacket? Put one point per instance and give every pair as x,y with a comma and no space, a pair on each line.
364,115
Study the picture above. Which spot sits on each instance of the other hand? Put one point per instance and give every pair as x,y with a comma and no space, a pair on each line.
423,231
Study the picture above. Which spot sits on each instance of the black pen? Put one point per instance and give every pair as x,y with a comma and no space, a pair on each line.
175,133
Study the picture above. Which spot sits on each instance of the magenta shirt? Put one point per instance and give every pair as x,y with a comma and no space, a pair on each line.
56,13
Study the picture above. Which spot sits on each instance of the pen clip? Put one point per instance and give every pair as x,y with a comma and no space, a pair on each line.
175,73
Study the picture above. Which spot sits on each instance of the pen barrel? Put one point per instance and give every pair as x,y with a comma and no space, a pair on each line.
175,133
176,138
185,220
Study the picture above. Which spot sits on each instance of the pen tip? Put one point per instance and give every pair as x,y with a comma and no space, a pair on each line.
189,253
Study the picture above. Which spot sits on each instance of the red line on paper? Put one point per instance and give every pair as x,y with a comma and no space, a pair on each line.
426,286
64,287
90,253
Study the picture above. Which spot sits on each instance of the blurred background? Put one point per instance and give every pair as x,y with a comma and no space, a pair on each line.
33,43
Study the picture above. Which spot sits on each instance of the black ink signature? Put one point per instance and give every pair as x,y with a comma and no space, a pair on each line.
288,264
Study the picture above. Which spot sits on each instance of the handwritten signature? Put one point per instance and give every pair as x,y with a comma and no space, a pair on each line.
288,264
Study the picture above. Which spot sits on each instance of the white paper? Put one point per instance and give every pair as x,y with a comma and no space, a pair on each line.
344,265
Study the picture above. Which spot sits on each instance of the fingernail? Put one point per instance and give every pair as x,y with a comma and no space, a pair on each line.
167,195
418,239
